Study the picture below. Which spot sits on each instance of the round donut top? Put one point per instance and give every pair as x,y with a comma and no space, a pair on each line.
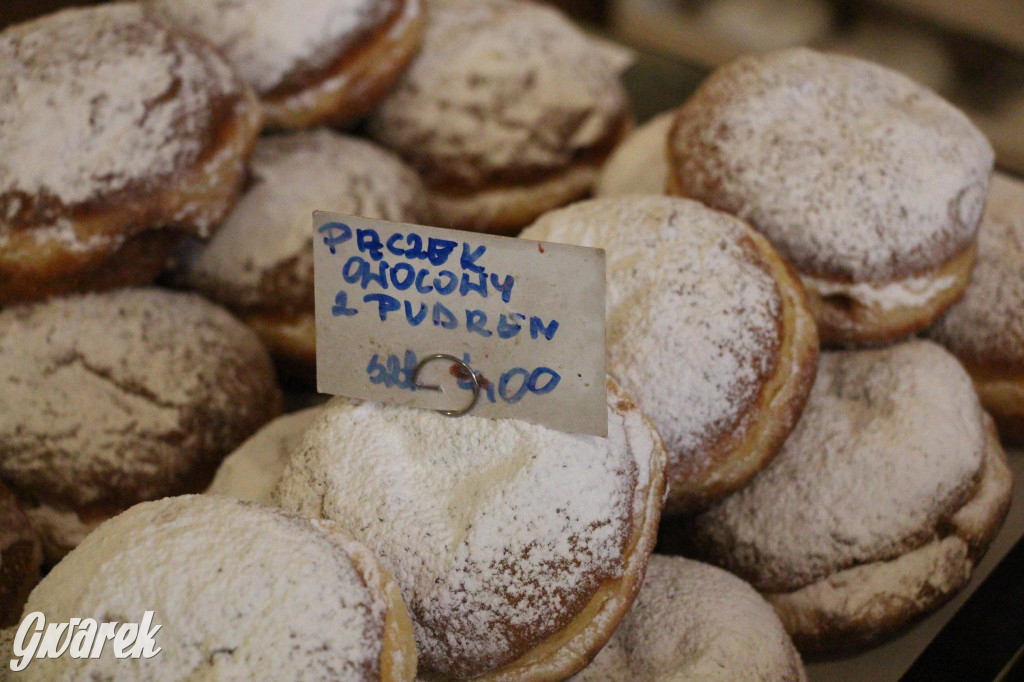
639,165
888,447
102,100
693,315
854,172
504,91
222,579
118,397
252,471
986,326
263,254
498,531
280,44
692,621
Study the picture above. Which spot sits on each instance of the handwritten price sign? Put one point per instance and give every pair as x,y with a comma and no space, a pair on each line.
527,317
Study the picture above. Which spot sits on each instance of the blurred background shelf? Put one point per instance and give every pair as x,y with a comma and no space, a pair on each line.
970,52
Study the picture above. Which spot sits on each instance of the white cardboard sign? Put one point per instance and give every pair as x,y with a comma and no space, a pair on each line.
527,316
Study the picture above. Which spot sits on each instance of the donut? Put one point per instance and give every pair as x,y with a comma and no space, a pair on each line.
313,61
252,471
870,185
517,548
21,557
693,621
118,134
879,505
639,165
985,329
706,327
115,398
260,262
509,111
223,582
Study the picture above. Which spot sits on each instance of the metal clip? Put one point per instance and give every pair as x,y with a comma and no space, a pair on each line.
466,370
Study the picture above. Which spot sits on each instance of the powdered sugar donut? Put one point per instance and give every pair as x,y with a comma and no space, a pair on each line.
508,112
260,261
21,556
232,602
692,621
252,471
706,327
110,399
518,548
879,505
311,61
985,329
117,133
639,165
869,184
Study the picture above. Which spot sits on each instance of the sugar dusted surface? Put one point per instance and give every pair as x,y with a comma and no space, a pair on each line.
692,621
500,87
291,176
95,101
851,170
270,40
497,532
252,471
987,324
124,392
224,583
888,446
692,327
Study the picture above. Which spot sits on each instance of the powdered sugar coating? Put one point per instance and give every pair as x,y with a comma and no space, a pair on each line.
271,42
223,581
692,314
854,172
692,621
497,532
639,165
987,326
109,399
252,471
98,101
889,445
263,253
503,90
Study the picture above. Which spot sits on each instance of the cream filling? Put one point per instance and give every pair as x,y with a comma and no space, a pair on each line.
905,293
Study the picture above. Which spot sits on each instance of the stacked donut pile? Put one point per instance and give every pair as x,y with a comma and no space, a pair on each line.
796,200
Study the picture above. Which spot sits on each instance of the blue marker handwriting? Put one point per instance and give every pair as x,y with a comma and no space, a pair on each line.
441,268
511,387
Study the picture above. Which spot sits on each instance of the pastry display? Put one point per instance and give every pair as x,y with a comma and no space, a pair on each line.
508,111
707,328
869,184
518,548
114,398
879,505
639,165
311,61
252,471
985,328
21,556
692,621
796,199
118,134
223,584
260,261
